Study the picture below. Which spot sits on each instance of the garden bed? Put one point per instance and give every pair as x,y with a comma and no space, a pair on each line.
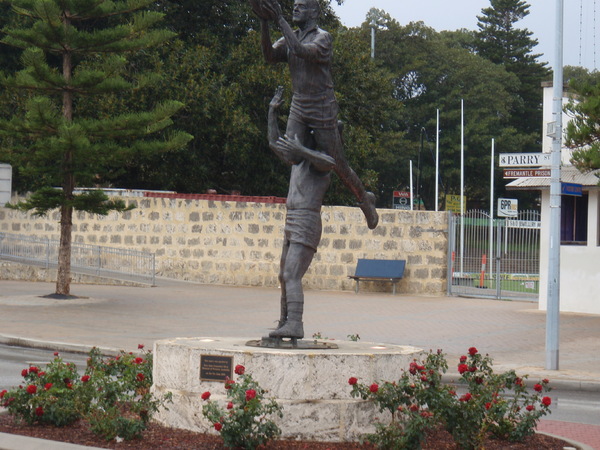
159,437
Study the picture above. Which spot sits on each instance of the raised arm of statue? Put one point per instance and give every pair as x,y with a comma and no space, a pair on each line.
274,133
321,161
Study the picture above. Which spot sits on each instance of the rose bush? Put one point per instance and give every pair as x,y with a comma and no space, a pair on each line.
113,395
497,404
245,422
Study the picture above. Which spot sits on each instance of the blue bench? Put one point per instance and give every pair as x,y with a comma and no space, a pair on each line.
378,270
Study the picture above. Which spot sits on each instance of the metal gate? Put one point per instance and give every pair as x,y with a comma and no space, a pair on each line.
495,258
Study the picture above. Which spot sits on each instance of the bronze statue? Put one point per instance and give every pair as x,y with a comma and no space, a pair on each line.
312,145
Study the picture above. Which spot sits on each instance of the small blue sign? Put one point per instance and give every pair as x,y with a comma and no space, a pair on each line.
571,189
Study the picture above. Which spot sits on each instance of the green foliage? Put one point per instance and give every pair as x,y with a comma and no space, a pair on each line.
411,401
582,133
245,422
496,404
113,395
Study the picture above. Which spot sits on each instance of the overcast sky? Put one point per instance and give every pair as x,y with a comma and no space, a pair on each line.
579,22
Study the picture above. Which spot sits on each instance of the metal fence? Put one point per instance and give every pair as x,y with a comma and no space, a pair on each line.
497,258
109,262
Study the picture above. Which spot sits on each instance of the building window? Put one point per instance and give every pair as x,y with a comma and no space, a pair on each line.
574,220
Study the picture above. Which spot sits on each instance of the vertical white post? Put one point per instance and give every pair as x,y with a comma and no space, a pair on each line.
462,185
553,306
437,160
491,233
373,24
411,187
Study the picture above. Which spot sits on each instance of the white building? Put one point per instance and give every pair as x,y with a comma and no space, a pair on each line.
580,236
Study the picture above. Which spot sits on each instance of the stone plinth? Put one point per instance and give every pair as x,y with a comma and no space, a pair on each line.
310,385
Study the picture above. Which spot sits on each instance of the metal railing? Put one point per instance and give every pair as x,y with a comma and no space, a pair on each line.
108,262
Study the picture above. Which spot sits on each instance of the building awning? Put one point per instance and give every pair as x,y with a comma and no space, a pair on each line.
569,174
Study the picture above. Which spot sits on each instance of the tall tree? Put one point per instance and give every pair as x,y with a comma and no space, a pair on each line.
502,42
75,53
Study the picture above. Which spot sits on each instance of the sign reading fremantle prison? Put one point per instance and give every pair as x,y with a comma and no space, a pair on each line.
216,367
527,173
524,159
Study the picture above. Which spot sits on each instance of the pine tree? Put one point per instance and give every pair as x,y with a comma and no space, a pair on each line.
501,42
75,52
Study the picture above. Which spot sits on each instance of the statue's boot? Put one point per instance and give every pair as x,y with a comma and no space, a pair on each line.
283,317
367,205
293,327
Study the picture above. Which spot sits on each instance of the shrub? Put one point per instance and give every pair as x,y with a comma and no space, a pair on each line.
245,422
497,404
113,395
410,401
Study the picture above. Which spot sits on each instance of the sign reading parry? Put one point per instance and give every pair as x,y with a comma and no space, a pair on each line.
525,159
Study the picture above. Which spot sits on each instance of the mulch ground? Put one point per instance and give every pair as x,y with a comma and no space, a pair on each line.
160,437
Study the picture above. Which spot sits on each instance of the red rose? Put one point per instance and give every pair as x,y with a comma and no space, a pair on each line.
229,383
472,369
538,387
205,395
352,381
466,397
31,389
41,374
24,372
413,368
250,394
239,369
374,388
55,353
39,411
463,359
424,378
230,405
48,386
462,368
530,408
33,369
546,401
545,381
138,360
85,378
218,426
414,407
3,393
69,385
140,346
472,351
140,377
488,405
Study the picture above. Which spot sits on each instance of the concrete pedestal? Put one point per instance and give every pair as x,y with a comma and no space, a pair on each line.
310,385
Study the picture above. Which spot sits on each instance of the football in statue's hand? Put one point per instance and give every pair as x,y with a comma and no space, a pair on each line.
257,7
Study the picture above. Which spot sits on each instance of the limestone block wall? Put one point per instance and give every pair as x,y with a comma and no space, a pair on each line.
239,242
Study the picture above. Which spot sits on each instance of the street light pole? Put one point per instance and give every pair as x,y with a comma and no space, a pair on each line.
553,305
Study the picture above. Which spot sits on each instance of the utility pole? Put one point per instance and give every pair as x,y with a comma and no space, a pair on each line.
553,305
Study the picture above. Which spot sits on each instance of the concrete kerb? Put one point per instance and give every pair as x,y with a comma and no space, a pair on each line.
16,341
566,384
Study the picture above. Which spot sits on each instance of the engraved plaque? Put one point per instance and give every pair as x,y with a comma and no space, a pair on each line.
216,367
